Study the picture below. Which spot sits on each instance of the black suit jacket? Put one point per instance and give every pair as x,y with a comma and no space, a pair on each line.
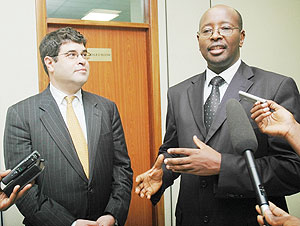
63,193
228,199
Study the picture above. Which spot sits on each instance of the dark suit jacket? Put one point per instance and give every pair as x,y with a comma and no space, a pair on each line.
62,193
228,199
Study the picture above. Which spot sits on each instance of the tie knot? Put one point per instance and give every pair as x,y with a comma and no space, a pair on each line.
69,99
217,81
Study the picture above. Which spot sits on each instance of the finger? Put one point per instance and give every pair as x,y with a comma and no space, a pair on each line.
177,161
159,161
148,194
260,220
258,209
260,111
198,142
25,189
93,223
276,220
3,174
273,105
180,168
13,195
182,151
139,188
142,193
272,205
257,106
276,210
267,214
261,117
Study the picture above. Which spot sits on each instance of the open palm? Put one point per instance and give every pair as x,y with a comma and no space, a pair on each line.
150,182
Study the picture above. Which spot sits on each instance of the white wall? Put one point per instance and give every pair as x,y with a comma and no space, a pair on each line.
272,31
18,61
271,41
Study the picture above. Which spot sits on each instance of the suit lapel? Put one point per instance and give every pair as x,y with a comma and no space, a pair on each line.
195,96
54,123
240,81
93,117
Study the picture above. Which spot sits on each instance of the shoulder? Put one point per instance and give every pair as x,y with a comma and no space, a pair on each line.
273,80
96,99
186,84
266,74
28,102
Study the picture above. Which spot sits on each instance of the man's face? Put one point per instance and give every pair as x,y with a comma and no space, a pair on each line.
70,71
220,51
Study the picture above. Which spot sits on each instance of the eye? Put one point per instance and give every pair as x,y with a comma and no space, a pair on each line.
206,30
71,54
226,28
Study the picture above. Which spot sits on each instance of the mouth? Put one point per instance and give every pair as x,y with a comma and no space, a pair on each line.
217,49
81,70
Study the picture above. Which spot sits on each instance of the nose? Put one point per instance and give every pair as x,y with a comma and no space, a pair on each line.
216,34
81,60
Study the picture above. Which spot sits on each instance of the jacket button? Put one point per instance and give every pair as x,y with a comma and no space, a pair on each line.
205,219
203,183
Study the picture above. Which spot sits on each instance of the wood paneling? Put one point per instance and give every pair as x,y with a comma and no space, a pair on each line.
41,27
97,23
154,95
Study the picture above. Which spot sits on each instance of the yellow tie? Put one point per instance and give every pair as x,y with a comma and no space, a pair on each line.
77,135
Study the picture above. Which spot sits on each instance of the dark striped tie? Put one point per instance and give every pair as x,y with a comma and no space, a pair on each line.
213,101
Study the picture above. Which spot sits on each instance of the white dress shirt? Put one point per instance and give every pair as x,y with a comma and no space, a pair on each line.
227,75
77,103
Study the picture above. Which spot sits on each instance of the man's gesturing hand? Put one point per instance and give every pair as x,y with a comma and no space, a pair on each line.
150,182
203,161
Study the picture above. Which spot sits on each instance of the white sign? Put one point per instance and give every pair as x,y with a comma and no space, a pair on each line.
100,54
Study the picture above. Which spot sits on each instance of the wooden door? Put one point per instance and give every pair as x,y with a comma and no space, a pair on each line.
131,80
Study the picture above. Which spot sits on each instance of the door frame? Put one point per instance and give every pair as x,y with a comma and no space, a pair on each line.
151,26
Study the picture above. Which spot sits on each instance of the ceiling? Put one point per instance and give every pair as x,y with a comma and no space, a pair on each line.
76,9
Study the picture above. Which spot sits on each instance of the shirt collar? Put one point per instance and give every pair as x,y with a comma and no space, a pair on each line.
227,75
59,96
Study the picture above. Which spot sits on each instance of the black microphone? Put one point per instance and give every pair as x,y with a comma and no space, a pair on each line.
244,143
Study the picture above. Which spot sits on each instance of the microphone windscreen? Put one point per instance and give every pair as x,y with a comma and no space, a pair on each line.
241,132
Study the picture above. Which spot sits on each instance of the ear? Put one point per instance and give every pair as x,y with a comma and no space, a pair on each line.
49,61
242,38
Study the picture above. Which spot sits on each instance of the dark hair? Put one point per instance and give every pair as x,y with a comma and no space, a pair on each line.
50,45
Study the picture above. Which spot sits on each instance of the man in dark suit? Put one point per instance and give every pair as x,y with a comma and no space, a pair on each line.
215,187
88,177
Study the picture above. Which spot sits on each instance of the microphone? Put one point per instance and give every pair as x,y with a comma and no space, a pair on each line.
244,143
